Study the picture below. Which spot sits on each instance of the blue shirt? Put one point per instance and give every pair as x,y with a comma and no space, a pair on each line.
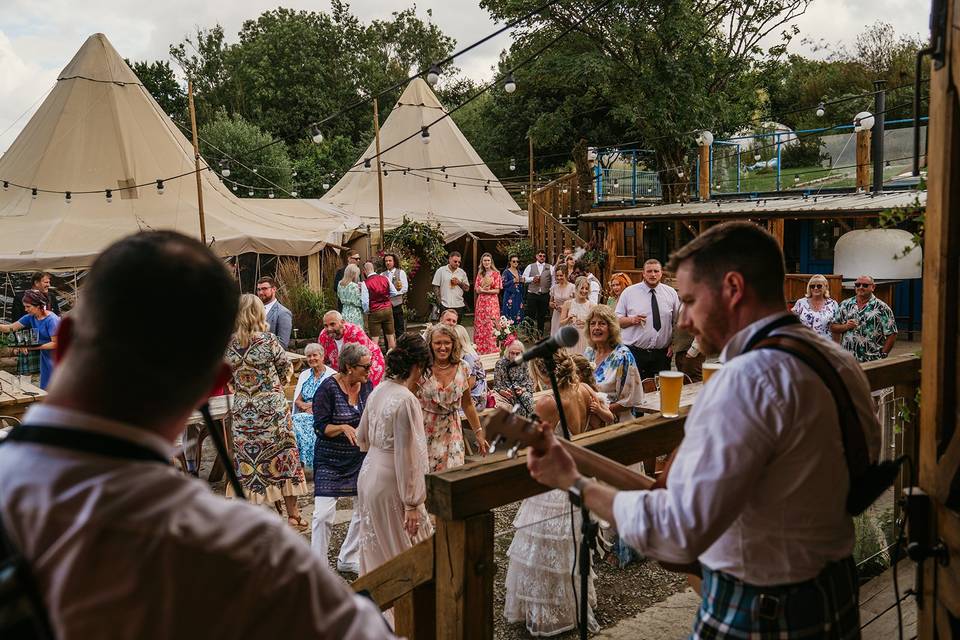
46,329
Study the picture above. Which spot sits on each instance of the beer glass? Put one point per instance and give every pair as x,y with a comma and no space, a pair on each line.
709,369
671,383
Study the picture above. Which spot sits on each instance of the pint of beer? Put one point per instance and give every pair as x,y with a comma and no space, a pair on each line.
710,369
671,383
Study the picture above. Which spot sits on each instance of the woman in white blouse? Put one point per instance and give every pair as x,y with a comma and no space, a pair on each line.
816,309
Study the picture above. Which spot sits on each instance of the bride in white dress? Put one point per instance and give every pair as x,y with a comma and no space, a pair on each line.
540,591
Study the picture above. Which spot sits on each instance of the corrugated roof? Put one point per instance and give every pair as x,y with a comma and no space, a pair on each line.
843,205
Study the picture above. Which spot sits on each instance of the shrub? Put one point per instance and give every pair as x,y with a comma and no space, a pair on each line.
306,305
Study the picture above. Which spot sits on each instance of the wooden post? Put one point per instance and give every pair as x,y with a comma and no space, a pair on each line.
376,135
863,160
776,230
315,271
704,173
530,213
464,577
196,163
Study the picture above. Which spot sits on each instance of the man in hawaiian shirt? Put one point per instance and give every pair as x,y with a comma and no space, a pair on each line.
865,324
337,332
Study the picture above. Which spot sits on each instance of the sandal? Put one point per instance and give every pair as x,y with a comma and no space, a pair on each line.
298,523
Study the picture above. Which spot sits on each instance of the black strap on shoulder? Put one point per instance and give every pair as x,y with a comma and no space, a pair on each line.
85,441
767,329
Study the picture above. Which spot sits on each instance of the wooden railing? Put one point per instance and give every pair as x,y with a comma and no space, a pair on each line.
548,233
443,587
559,197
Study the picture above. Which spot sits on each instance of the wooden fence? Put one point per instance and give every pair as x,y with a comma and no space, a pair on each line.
443,587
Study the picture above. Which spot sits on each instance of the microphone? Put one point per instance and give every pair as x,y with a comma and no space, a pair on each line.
566,337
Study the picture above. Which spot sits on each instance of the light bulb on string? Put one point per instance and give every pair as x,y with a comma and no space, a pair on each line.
718,186
67,197
424,135
293,174
616,183
679,173
366,165
454,185
316,134
160,187
234,187
225,168
33,193
109,194
293,194
796,178
756,156
250,193
821,109
513,164
326,185
256,170
433,75
486,188
6,185
270,195
510,85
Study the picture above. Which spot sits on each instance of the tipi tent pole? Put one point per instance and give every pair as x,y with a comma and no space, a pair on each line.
376,133
196,163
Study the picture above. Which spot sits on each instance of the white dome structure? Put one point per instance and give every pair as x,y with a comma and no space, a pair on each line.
878,253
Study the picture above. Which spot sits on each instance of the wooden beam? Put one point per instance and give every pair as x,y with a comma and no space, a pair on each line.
903,369
400,575
776,230
863,160
693,231
704,177
315,271
415,614
464,577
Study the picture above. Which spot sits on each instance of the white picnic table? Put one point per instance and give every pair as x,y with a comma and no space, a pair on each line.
689,393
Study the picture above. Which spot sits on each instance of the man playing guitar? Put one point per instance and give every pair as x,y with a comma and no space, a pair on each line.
757,490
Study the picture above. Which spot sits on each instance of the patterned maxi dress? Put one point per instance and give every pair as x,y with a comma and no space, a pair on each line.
350,298
486,312
441,418
265,448
512,306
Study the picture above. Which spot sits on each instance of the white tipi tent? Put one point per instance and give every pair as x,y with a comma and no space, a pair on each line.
469,199
100,129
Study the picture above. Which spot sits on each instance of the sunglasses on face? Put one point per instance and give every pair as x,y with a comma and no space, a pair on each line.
816,286
365,367
861,285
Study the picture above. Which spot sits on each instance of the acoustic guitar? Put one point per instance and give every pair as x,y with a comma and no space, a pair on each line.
502,426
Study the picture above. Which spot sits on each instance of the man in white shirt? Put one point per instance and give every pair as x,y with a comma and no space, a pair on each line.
449,284
538,276
279,318
647,312
120,543
758,488
398,289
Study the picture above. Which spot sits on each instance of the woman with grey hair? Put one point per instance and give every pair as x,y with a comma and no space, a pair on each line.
816,309
337,408
307,384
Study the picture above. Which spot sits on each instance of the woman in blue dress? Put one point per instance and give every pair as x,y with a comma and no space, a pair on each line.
337,408
45,323
512,306
307,385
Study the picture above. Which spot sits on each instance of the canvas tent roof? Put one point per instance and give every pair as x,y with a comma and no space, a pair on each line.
99,128
459,203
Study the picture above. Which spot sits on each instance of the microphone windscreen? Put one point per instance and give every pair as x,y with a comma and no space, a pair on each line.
568,336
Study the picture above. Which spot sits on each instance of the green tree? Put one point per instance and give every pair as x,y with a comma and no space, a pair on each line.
159,80
268,169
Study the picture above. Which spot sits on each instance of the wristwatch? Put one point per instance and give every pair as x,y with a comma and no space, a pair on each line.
576,491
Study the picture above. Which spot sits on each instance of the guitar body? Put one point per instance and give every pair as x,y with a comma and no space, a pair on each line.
503,425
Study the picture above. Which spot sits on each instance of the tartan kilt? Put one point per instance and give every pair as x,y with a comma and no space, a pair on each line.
824,607
28,363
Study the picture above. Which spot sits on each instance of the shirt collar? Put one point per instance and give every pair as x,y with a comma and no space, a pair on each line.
44,414
739,340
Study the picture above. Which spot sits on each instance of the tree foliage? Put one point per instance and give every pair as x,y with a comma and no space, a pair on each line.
229,136
158,79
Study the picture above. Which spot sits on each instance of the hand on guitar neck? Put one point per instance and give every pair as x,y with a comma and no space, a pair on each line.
558,463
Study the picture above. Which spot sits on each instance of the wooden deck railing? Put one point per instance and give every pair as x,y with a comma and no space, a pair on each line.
549,234
443,587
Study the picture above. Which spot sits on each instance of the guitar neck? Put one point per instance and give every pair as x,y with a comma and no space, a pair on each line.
590,463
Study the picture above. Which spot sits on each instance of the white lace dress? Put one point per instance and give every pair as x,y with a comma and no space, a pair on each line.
540,592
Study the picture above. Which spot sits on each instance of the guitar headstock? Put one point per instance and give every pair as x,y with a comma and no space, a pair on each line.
506,427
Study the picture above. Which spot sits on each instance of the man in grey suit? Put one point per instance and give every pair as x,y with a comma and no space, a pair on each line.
279,318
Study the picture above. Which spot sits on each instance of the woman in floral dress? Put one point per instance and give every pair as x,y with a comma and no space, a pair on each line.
817,308
444,391
307,385
265,450
512,291
614,368
487,309
348,290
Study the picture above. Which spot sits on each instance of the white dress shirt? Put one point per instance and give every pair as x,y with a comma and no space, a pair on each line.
132,549
594,289
535,269
268,306
635,301
758,487
451,296
396,295
364,298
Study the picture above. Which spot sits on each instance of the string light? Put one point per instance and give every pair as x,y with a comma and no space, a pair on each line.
513,164
67,197
679,173
424,135
33,193
225,168
293,174
160,187
6,185
270,195
433,75
821,109
234,187
616,183
326,185
293,194
250,193
316,134
510,85
109,195
366,165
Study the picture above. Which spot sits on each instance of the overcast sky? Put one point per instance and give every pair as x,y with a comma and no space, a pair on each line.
38,37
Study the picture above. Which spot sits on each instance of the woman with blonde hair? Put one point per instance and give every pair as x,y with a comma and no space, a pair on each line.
348,291
470,355
816,309
265,449
615,369
443,392
486,312
574,312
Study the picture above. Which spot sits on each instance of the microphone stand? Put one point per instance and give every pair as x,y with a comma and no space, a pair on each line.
588,528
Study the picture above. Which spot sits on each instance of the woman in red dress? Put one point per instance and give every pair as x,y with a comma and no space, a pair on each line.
487,309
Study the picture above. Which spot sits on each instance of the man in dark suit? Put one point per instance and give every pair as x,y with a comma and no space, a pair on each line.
279,318
40,282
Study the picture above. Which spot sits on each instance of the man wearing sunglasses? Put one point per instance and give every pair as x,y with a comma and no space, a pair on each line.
865,324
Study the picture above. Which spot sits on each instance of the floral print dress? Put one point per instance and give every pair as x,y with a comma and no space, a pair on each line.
350,298
486,312
618,378
441,418
265,449
512,306
820,320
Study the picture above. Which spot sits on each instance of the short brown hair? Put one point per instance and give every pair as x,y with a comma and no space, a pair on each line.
736,246
454,254
270,281
653,261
